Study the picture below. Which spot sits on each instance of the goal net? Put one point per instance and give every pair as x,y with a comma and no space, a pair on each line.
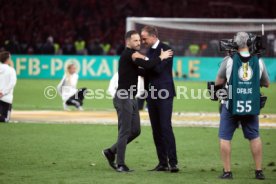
200,37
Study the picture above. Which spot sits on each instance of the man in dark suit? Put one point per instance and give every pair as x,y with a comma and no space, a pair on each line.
160,104
124,100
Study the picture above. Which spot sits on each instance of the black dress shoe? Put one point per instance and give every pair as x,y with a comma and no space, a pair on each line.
110,158
123,168
259,175
174,169
226,175
160,167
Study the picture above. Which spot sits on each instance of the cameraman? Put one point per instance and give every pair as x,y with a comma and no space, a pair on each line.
242,74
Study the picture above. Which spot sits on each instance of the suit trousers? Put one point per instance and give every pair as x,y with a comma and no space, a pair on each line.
128,126
160,113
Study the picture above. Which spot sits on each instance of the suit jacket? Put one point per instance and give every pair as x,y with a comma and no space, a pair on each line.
160,76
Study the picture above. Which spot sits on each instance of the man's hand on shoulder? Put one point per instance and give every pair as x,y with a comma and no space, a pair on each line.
166,54
137,55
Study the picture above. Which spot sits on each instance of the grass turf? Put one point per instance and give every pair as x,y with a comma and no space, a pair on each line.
29,95
63,154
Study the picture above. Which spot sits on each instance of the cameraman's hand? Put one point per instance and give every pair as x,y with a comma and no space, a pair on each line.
166,54
137,55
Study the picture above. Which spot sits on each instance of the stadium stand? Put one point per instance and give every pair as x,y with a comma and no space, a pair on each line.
95,27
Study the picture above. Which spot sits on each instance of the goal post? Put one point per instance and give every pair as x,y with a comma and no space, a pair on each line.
200,37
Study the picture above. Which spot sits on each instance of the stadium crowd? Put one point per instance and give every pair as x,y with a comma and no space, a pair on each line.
95,27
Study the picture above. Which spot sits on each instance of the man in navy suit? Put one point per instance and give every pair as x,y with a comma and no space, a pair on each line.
160,104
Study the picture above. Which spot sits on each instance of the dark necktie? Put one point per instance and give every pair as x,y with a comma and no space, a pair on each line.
151,53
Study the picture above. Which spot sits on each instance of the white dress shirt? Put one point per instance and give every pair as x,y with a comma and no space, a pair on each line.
7,82
113,85
155,45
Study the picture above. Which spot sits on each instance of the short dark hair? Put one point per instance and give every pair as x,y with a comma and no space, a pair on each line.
4,56
152,30
130,33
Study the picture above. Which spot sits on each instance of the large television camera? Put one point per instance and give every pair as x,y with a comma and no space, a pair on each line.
255,44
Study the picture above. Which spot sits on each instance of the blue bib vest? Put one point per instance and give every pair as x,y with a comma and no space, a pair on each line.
244,87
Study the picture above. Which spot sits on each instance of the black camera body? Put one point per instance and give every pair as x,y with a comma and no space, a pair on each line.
217,92
255,44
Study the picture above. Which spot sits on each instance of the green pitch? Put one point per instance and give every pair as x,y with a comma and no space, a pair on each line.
29,95
63,154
